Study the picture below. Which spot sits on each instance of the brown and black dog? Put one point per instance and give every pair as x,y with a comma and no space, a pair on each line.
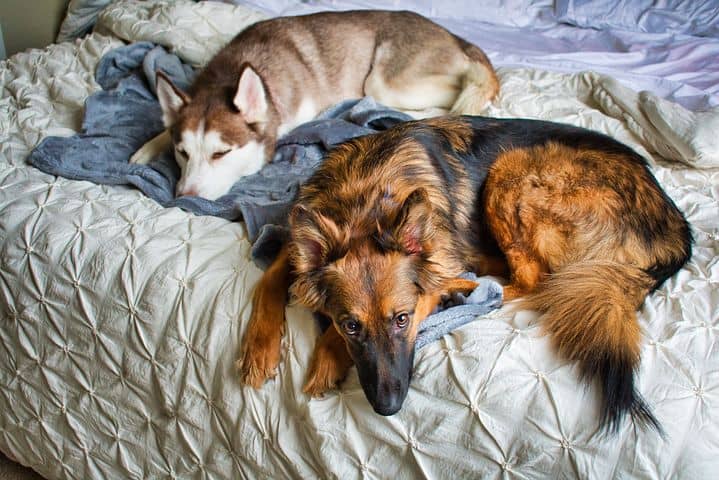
389,221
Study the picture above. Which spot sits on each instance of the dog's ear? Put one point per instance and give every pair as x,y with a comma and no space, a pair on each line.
420,231
251,98
171,98
413,226
314,236
315,240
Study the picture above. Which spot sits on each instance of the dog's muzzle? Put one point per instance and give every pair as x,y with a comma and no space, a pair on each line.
385,375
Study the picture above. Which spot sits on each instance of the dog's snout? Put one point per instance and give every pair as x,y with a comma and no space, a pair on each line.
390,397
389,407
385,373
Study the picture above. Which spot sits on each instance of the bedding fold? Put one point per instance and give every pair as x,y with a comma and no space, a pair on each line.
122,320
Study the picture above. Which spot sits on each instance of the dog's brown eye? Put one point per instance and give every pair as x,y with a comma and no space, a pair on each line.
351,327
401,320
182,152
218,155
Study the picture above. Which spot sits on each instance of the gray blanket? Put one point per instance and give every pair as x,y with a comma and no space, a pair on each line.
125,114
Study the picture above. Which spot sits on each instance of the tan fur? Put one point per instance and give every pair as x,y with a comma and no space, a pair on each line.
329,365
261,345
590,306
479,84
568,213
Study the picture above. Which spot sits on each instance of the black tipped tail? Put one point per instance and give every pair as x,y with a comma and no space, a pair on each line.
590,312
615,375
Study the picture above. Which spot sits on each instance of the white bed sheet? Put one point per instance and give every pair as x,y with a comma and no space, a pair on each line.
120,321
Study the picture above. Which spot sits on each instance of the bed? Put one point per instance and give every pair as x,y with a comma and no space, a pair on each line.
120,320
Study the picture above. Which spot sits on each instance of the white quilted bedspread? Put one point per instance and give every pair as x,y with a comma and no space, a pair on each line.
120,321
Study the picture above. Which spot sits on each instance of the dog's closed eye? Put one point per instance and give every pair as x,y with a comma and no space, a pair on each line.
218,155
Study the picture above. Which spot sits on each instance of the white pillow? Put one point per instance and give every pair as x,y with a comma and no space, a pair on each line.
80,17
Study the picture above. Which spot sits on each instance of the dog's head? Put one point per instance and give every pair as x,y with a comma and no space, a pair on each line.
375,289
220,134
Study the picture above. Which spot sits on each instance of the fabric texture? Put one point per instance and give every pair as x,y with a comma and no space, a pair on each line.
121,320
516,13
79,19
118,120
695,17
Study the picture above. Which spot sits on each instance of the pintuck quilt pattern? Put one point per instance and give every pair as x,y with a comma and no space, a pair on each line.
121,320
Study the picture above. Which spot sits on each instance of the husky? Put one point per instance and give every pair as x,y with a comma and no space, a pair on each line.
279,73
387,224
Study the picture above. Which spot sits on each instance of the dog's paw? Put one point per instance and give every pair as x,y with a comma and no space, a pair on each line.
141,157
326,373
322,381
260,359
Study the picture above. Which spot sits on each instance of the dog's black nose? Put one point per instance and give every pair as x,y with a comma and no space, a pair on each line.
389,398
388,406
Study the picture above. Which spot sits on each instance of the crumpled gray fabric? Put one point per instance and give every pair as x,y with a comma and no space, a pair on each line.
125,114
460,309
118,120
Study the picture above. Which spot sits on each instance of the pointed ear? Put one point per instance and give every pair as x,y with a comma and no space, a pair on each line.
251,98
413,230
171,98
315,238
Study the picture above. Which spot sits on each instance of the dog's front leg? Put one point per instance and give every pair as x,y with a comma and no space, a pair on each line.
262,343
427,302
152,149
330,363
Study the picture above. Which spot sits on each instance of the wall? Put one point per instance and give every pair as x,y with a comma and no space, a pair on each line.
30,23
2,45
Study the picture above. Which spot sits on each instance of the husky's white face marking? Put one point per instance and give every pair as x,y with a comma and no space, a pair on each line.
210,166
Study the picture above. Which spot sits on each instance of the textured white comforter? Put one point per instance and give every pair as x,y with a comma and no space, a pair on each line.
120,320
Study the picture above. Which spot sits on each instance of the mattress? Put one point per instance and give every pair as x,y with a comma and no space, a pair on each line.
120,320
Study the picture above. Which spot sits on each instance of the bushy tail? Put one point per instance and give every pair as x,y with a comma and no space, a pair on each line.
479,85
590,313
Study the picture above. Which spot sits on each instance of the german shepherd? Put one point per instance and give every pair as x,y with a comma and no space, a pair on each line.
386,225
279,73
